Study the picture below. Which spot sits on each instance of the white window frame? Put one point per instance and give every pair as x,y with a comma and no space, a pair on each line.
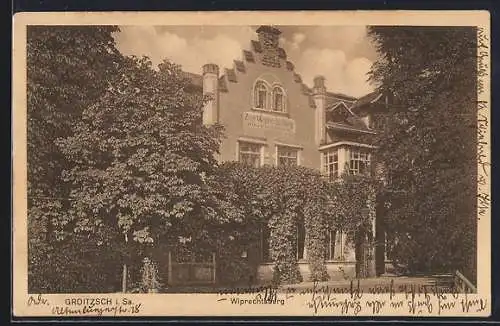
283,108
330,238
269,101
251,142
297,149
335,239
341,247
325,163
258,83
358,155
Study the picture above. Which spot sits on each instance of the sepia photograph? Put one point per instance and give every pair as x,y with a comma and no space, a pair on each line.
268,159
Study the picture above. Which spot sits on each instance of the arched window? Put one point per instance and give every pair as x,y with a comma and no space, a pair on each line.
260,95
278,99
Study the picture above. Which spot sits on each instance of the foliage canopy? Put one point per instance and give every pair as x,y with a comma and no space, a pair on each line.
428,145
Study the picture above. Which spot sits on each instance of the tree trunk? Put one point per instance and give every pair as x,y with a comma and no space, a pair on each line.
365,256
124,278
124,271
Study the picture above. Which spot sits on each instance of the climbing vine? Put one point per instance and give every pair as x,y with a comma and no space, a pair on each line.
284,198
315,242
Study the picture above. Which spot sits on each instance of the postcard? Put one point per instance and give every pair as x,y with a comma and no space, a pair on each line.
294,163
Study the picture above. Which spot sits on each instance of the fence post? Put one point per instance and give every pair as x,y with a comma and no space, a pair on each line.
213,266
170,268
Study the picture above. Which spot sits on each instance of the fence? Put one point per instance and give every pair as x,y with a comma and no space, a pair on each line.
192,272
463,284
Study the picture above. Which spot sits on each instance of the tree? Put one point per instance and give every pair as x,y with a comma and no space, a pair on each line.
67,69
143,164
428,145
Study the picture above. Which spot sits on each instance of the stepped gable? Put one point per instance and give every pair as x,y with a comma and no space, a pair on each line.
239,65
272,54
297,78
311,102
306,90
282,53
256,46
248,56
222,84
231,75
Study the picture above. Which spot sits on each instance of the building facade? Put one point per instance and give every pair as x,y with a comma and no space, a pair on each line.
271,117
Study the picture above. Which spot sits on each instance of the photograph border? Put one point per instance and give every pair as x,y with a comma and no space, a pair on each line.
152,304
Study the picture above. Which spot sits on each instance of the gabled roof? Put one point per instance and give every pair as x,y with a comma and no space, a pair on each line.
340,96
370,98
356,126
336,105
348,120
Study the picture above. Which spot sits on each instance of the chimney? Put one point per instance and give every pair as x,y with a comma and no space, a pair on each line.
319,96
210,88
269,42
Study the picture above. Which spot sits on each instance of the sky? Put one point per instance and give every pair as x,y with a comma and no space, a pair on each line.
342,54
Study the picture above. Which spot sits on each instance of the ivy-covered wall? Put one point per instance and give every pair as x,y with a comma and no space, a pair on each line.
284,197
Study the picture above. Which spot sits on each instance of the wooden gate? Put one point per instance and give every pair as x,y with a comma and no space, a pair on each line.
191,272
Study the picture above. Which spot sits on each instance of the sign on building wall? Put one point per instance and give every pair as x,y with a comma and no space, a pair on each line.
258,120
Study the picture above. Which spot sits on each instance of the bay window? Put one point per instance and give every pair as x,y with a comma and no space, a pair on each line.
331,163
359,161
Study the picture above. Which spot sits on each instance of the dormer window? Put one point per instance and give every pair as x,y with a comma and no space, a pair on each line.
278,99
260,95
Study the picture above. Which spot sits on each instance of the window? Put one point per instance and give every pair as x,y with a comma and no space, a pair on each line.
278,99
250,154
269,98
287,156
331,164
260,95
335,245
359,161
378,121
330,249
